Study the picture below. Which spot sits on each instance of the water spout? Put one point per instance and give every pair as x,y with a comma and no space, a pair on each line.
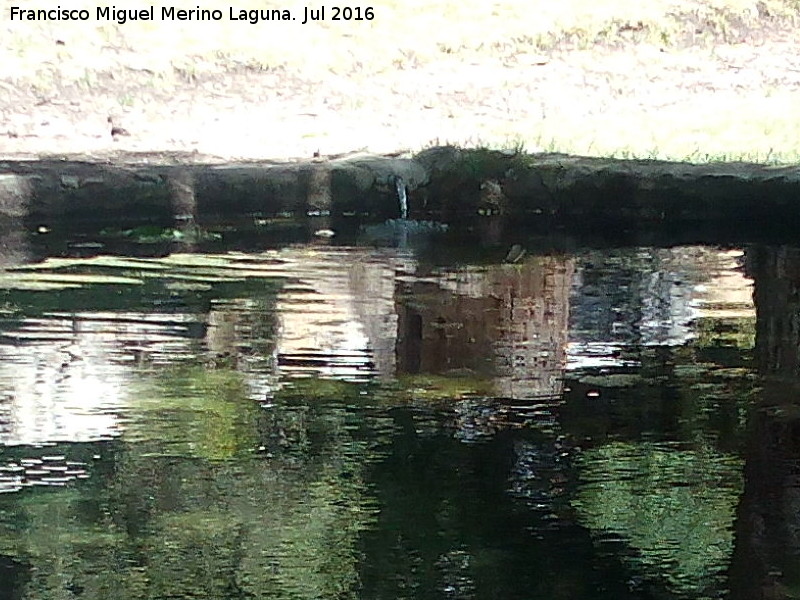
402,196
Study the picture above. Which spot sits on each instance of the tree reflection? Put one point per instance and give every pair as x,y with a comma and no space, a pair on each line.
192,508
766,562
676,508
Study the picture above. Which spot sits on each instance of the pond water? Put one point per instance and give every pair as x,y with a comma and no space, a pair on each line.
443,420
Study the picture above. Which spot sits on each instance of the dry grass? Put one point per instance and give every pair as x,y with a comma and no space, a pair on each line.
407,33
415,35
746,129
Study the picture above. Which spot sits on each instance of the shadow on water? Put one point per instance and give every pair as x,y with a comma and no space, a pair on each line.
399,411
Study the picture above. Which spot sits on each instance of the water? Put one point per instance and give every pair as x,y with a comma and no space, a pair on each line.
310,420
402,196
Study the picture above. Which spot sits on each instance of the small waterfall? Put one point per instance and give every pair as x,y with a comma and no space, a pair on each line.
402,196
400,231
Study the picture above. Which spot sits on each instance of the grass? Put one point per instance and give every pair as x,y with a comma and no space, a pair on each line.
746,128
403,34
411,35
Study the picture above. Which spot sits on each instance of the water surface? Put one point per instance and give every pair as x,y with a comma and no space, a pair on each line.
322,419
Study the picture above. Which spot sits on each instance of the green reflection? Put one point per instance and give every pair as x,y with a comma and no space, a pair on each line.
732,332
675,507
191,505
195,411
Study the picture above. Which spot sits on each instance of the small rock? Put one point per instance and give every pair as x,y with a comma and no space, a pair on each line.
70,182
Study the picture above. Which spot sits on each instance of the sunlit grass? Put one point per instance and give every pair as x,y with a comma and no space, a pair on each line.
403,34
745,128
410,35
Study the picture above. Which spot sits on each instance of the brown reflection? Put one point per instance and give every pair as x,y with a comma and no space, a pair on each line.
766,562
357,312
508,322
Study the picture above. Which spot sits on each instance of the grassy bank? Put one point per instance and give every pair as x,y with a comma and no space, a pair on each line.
661,79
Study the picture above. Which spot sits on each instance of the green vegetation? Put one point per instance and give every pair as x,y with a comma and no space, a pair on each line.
150,234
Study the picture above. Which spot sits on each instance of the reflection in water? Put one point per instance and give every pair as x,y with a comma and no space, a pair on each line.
65,376
651,297
674,506
353,422
505,321
766,561
337,316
